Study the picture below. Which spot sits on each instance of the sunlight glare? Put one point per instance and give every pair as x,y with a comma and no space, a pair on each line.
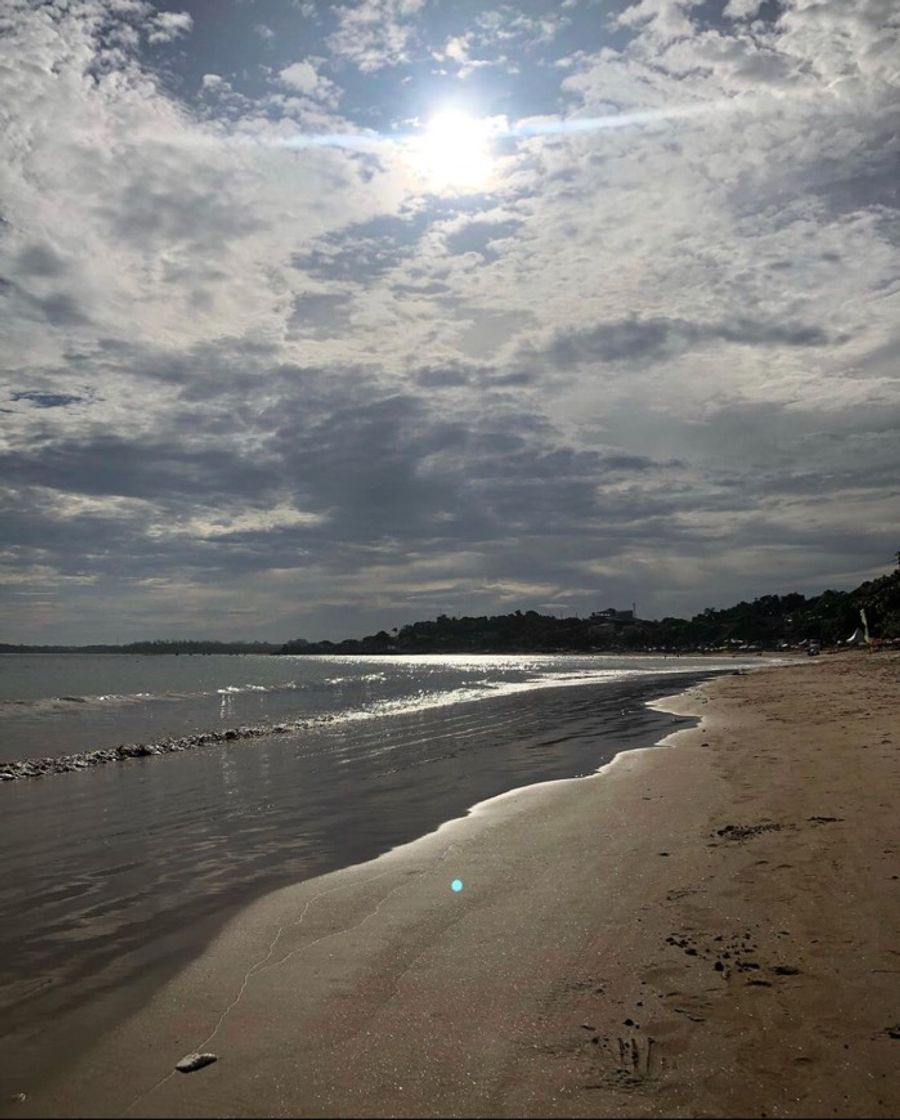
455,151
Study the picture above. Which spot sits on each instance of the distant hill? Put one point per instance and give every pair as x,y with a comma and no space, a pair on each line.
152,647
770,622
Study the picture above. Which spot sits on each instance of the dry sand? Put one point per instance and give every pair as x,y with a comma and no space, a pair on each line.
707,929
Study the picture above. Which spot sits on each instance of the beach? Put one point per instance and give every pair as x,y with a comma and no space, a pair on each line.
710,928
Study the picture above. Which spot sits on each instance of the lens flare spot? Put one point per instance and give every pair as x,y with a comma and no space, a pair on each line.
456,885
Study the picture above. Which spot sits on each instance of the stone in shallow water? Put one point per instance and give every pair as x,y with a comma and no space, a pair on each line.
190,1062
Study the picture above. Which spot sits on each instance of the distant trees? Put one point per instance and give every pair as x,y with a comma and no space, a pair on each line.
766,622
151,647
196,646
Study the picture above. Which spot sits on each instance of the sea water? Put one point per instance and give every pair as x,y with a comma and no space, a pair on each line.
53,704
109,876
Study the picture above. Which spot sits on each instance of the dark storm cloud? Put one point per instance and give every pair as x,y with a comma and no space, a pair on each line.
158,207
129,544
377,466
878,185
636,339
110,465
443,377
476,237
58,309
386,466
365,250
481,378
320,314
39,260
365,462
754,333
46,400
842,183
85,544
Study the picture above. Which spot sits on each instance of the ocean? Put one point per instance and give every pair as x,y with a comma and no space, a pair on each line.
109,877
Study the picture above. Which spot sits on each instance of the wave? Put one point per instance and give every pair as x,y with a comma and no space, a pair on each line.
60,703
419,702
111,699
64,703
365,677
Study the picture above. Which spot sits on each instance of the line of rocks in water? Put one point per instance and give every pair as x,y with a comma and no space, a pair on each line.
84,760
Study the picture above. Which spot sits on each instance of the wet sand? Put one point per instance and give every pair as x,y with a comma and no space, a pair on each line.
707,929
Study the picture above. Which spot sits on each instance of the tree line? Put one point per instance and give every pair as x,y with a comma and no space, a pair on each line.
769,622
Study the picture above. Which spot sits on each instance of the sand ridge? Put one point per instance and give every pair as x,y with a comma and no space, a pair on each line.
707,929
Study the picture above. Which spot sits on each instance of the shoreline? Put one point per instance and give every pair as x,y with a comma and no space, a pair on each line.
580,896
412,858
72,1005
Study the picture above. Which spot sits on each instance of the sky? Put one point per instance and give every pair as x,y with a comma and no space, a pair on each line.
319,318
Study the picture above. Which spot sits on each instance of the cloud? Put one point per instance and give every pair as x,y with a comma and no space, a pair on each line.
300,76
651,362
46,400
304,78
635,339
189,229
456,52
664,20
39,260
166,26
374,34
479,236
742,9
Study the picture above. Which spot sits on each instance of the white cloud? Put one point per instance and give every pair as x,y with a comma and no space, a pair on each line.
506,26
210,524
665,20
166,26
456,50
374,34
175,229
303,77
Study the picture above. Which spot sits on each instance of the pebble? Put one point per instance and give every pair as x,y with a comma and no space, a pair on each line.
190,1062
66,764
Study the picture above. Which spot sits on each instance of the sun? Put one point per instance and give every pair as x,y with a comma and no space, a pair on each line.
455,151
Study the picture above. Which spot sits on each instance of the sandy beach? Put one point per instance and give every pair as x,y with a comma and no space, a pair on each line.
710,928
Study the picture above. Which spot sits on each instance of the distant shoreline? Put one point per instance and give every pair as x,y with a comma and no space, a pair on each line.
315,650
771,623
146,648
